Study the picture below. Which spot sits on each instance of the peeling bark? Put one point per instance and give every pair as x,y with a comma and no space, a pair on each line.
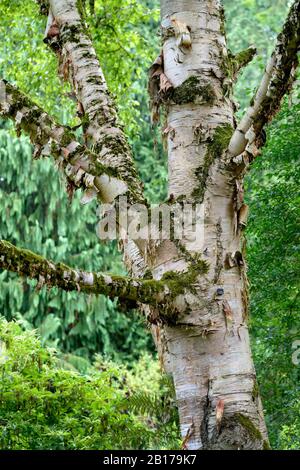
80,66
80,165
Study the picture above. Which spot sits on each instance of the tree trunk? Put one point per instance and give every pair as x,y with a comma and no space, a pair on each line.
208,350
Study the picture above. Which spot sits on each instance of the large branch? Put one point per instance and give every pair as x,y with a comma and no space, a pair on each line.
80,165
50,274
276,82
67,35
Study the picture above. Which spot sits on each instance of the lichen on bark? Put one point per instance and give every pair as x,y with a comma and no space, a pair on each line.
192,90
215,148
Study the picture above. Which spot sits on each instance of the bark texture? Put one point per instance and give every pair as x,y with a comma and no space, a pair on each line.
80,66
80,165
276,82
208,351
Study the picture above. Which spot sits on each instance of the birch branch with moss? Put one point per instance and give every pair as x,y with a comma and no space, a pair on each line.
68,36
275,84
167,292
81,166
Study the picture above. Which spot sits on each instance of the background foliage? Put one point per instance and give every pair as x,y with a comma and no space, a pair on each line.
46,404
36,214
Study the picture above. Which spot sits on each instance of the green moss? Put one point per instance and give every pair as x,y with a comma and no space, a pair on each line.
199,266
81,9
67,138
215,149
191,90
227,67
170,275
266,446
150,291
222,21
249,426
100,169
242,58
255,390
234,62
148,274
220,140
116,143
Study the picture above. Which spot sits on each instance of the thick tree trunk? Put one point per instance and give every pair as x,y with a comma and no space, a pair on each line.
208,351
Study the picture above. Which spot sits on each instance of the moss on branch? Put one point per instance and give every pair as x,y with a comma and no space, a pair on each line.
286,55
148,291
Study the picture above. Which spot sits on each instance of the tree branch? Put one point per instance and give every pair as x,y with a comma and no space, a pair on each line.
241,60
67,35
50,274
276,82
80,165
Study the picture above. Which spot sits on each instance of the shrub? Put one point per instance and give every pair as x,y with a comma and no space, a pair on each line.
45,403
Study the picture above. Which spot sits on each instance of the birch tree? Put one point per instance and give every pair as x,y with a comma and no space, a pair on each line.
193,293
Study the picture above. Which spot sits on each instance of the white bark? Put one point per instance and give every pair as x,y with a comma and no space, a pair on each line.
277,80
79,64
51,274
80,164
208,351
